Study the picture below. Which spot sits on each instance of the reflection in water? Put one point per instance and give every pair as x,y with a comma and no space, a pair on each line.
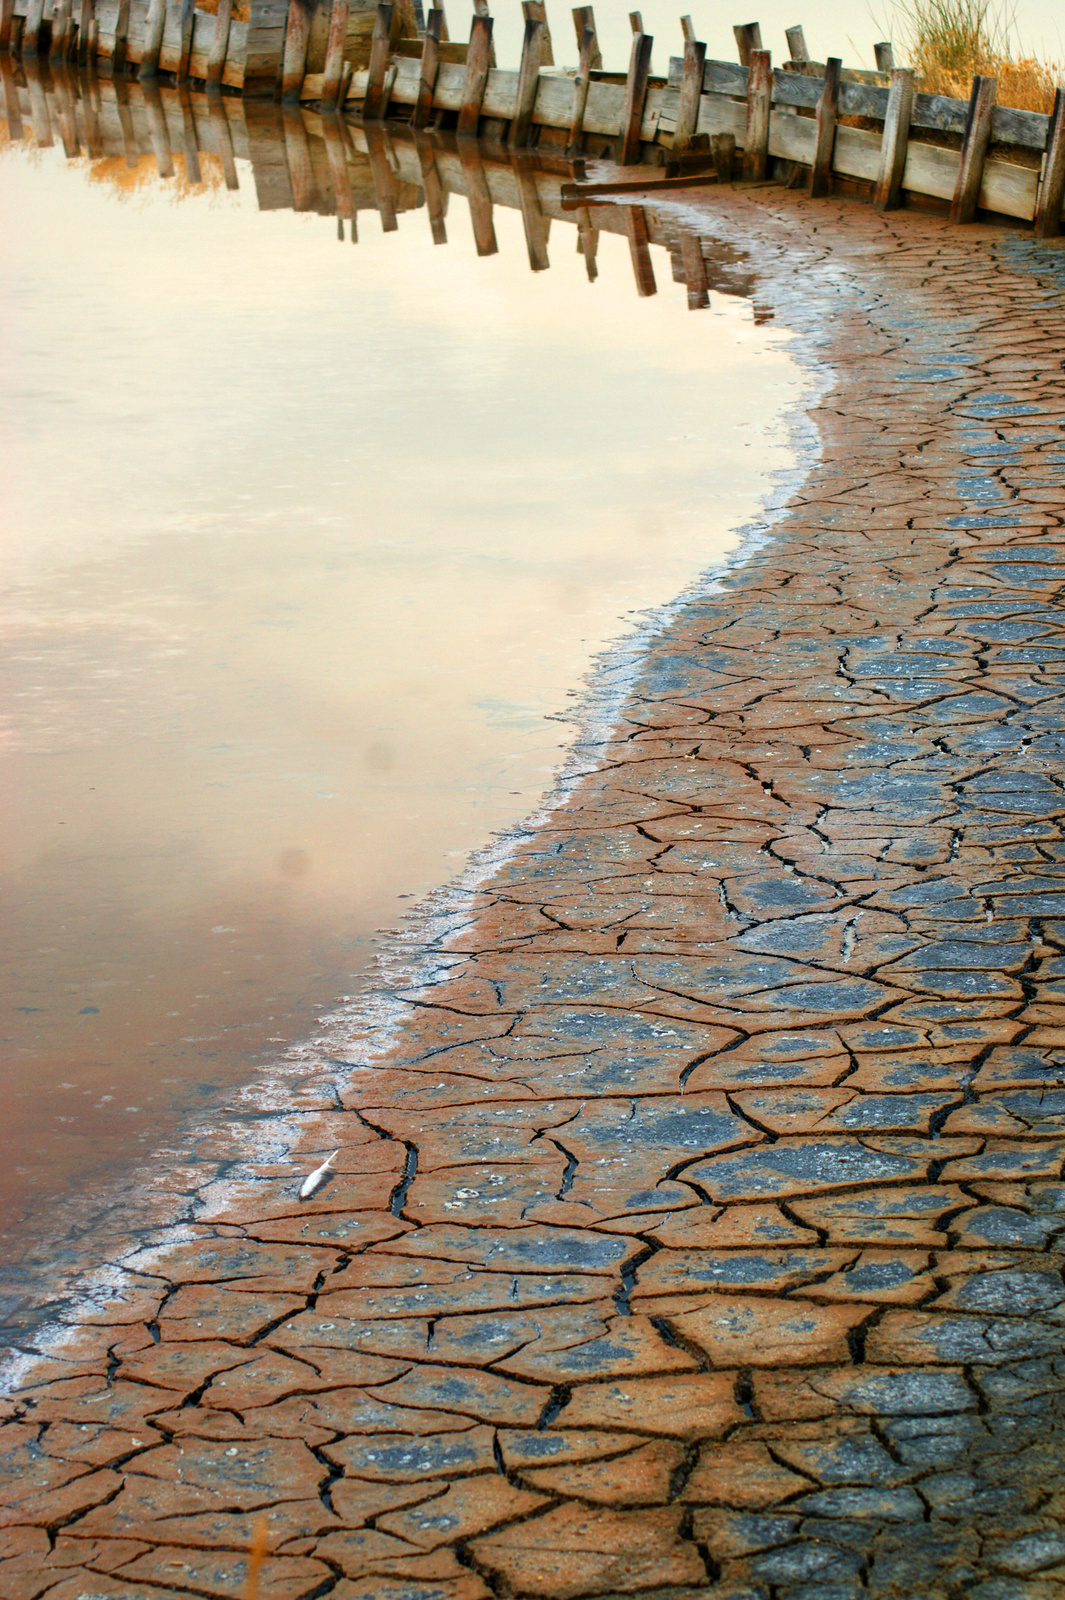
301,547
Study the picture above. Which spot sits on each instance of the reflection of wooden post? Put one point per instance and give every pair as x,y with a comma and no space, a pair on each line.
423,106
158,131
40,121
536,11
825,134
635,95
336,152
333,73
587,242
478,198
384,184
691,89
154,24
298,158
224,141
435,198
748,36
12,113
385,30
589,50
640,250
90,114
1048,204
477,55
192,143
64,112
528,82
974,149
583,18
888,193
129,135
691,255
759,103
216,59
533,220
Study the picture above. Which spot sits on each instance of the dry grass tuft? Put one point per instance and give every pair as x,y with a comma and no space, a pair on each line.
947,42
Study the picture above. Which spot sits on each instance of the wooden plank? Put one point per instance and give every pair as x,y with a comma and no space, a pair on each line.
1052,184
694,263
478,198
158,131
691,86
384,183
640,251
154,24
477,58
584,17
188,18
298,158
223,139
216,60
528,82
888,193
635,95
433,189
333,71
748,36
974,149
534,222
423,106
759,105
820,179
536,11
297,37
336,153
885,56
797,44
31,33
580,89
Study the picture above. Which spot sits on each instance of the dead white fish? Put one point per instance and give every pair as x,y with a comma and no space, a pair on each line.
315,1179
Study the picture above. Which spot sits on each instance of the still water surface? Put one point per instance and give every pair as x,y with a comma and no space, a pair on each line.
302,544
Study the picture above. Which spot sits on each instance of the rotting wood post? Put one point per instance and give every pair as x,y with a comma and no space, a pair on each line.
687,28
336,153
797,44
188,17
640,251
888,193
536,11
84,30
759,104
691,89
825,135
297,36
635,22
635,95
216,59
528,82
723,150
885,56
748,36
158,131
584,18
60,16
432,188
481,10
477,58
1047,220
385,31
31,33
691,255
423,107
224,141
333,72
478,198
974,149
154,24
535,224
580,90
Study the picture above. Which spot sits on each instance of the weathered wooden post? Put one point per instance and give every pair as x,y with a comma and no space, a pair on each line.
336,153
885,56
796,44
635,96
759,106
583,18
216,59
1052,184
224,141
158,132
188,17
154,23
691,254
723,150
435,198
333,72
536,11
481,10
31,33
528,82
298,158
589,50
477,65
533,221
12,113
384,183
974,149
118,57
825,135
748,36
85,27
385,32
888,193
478,198
430,64
7,12
691,89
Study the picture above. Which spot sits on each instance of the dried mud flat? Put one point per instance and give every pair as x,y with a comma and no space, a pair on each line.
698,1232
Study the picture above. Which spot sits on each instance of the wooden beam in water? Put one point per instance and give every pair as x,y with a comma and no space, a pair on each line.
298,159
748,36
336,153
224,141
216,59
433,189
384,183
825,131
691,88
535,224
584,17
589,50
477,61
887,195
536,11
430,64
333,71
885,56
640,251
635,95
154,24
797,44
759,105
1052,184
158,131
974,149
478,198
385,32
691,254
528,81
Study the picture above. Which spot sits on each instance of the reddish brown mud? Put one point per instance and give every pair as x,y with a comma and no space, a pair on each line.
698,1231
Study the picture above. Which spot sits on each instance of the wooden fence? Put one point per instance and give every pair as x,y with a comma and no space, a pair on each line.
805,122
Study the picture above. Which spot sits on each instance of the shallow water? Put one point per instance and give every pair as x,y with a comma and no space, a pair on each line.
302,547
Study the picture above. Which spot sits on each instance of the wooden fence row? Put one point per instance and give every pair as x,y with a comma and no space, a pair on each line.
804,122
